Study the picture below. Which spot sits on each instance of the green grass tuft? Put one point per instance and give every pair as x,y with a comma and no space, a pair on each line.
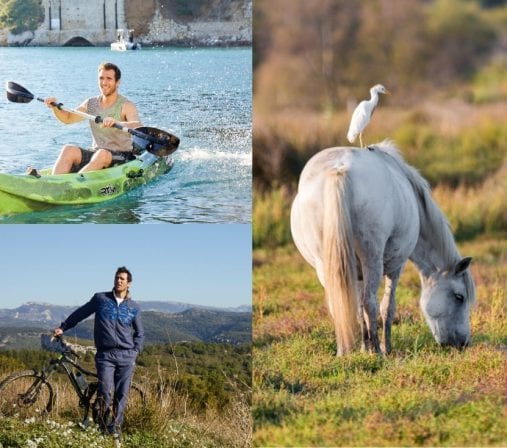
420,395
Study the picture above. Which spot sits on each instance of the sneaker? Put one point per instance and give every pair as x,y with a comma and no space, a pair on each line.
32,172
116,434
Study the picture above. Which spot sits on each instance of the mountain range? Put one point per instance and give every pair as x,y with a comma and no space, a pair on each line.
163,321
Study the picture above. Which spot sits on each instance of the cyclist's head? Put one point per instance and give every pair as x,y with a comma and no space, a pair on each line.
124,270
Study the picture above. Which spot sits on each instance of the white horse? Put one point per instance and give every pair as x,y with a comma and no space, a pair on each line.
360,215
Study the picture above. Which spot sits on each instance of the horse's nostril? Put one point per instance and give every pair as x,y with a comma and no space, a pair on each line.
456,342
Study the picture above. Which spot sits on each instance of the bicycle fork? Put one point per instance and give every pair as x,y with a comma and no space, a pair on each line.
30,396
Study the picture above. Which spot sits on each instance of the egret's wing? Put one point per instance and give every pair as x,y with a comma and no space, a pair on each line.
371,112
359,120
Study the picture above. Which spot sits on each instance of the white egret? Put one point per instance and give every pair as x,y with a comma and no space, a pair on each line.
362,114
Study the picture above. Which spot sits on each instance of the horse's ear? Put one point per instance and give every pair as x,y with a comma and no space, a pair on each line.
462,265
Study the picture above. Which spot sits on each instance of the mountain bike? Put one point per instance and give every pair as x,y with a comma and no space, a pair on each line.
29,393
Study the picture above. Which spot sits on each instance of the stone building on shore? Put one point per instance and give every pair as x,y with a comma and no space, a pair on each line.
155,22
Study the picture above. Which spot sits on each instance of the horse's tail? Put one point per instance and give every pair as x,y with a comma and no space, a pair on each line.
339,262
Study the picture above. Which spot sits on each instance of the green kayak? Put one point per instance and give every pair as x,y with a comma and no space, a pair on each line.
21,193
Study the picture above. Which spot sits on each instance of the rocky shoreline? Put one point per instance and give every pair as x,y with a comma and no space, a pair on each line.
155,23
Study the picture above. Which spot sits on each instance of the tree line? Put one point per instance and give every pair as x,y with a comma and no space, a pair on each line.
319,55
210,376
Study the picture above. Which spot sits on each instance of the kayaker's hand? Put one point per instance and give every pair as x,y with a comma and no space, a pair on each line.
50,102
108,122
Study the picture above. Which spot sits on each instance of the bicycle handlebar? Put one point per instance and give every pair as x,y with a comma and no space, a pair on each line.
68,349
56,344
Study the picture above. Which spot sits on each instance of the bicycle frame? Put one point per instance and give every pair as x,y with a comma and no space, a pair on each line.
68,359
63,360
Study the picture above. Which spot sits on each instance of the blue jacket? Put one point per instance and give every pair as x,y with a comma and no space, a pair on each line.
116,327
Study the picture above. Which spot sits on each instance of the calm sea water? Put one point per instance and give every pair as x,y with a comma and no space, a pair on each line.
201,95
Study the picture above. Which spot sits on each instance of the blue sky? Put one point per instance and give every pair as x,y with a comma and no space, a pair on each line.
65,264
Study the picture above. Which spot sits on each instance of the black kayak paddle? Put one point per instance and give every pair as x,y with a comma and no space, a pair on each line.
153,140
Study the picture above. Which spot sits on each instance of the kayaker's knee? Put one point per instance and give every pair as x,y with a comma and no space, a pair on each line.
101,159
71,153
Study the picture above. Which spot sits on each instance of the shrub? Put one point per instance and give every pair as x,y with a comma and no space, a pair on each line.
271,226
21,15
460,38
466,159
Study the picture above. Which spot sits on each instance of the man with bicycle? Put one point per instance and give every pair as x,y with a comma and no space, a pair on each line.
119,336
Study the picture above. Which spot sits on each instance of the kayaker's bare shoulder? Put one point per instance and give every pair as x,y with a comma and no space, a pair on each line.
130,114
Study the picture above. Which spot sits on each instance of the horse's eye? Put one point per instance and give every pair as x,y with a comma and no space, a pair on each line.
459,297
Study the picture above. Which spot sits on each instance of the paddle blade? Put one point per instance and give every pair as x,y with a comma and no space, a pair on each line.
159,143
17,94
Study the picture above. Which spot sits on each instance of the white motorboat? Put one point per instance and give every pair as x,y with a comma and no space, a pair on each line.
123,44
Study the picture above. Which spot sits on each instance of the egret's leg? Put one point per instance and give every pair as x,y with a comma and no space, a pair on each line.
361,140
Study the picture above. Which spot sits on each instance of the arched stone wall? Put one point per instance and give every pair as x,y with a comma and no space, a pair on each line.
216,22
78,41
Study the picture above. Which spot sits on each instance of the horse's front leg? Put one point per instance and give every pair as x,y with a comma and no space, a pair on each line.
372,273
388,308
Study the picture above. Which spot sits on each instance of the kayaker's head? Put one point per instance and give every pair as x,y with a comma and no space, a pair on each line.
122,281
109,78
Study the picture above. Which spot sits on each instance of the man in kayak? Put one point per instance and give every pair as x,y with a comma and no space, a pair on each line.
119,337
110,146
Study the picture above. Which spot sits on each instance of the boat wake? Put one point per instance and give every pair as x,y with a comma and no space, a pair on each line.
205,154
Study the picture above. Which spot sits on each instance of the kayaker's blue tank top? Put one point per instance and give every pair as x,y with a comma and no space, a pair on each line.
108,138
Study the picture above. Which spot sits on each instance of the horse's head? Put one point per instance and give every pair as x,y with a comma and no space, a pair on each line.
447,296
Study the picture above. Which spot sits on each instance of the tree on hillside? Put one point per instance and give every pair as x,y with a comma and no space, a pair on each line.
21,15
321,55
460,39
311,43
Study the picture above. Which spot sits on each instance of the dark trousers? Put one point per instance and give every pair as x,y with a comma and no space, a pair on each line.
114,369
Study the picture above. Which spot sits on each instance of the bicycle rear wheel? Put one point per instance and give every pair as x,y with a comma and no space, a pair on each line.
134,412
25,394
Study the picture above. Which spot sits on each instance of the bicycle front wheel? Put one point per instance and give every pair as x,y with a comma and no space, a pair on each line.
24,395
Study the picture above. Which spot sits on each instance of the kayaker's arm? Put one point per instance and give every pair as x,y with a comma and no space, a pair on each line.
63,115
129,115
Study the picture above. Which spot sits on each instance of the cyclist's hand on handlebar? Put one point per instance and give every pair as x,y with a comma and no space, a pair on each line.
57,332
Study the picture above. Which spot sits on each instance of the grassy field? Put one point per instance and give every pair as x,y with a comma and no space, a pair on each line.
180,410
420,395
162,423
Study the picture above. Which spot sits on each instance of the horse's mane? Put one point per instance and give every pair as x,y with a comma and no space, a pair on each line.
434,225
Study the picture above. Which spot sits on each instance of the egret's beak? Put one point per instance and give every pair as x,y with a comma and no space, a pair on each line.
387,92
